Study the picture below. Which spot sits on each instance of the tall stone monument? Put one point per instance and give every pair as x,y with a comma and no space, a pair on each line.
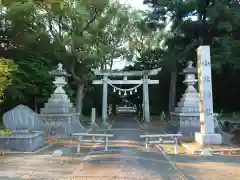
206,136
58,113
187,113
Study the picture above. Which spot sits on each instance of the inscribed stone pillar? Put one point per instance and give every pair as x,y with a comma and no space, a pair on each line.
146,99
207,135
104,99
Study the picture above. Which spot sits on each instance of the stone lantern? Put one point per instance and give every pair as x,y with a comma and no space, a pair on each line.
187,113
58,113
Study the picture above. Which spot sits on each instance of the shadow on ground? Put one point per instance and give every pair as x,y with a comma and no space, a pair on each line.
214,167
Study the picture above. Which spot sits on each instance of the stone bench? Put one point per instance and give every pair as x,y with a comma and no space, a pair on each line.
162,139
93,140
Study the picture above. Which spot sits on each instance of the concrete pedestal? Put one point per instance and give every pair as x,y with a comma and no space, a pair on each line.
208,139
187,124
93,118
24,142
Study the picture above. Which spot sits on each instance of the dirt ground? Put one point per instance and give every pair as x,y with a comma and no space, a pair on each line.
210,170
46,167
215,167
41,165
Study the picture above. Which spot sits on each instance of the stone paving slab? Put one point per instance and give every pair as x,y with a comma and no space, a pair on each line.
126,160
127,164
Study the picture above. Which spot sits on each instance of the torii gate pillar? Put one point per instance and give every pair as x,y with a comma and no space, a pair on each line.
145,81
104,100
146,111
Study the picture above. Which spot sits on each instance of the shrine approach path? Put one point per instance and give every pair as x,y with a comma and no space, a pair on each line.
126,157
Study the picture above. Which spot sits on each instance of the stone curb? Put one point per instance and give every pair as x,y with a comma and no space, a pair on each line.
212,151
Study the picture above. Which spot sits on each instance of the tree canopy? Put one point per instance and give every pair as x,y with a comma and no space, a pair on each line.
83,34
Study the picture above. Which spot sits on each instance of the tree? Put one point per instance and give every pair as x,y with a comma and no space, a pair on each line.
112,37
86,34
29,47
213,26
7,67
81,34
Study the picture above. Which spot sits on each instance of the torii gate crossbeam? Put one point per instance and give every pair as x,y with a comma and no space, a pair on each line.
145,81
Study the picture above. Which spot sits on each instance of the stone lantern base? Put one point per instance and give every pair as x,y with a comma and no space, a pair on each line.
208,139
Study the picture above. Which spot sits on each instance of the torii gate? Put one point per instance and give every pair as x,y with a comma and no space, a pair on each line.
145,81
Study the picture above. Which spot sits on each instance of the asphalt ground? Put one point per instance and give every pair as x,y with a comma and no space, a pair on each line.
127,157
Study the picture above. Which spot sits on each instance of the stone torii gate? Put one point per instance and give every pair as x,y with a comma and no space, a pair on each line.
144,81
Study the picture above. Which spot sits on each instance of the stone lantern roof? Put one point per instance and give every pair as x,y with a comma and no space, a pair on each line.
190,69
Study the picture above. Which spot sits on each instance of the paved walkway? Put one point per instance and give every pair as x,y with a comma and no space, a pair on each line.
126,158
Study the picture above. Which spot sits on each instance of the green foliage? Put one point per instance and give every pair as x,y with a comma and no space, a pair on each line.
81,34
85,34
7,67
215,23
33,73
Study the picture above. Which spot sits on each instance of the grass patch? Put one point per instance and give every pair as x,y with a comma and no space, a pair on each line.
157,119
86,120
197,146
2,160
234,116
169,149
1,124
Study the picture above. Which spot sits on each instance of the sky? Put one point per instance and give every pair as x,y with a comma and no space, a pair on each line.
135,3
138,4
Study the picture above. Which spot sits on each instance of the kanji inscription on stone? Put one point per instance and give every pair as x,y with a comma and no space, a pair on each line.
205,88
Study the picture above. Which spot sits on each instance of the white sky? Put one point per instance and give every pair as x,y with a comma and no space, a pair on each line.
138,4
135,3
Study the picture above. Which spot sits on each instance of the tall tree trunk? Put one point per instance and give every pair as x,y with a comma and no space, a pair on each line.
172,92
35,103
111,65
79,99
